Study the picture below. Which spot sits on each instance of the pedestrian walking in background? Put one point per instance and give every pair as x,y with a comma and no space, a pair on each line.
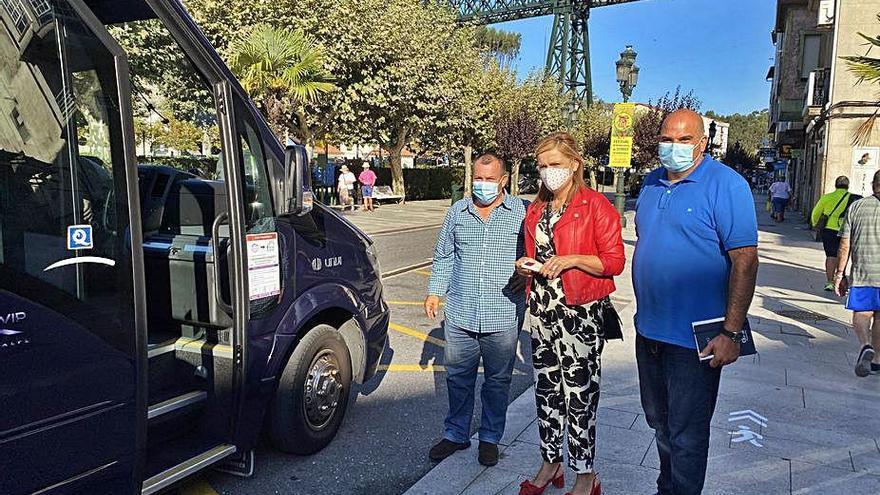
695,259
826,220
780,192
367,178
860,242
474,267
574,232
345,188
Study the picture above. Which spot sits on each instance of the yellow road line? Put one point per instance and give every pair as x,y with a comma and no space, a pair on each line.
428,368
417,334
423,272
409,303
200,487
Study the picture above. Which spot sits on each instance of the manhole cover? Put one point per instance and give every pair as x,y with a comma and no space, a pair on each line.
800,315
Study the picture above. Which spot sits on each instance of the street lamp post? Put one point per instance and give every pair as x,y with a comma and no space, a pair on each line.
627,77
713,129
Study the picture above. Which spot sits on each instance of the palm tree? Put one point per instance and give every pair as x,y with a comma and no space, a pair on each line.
868,70
282,70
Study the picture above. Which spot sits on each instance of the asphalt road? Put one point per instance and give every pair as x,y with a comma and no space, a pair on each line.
405,248
392,420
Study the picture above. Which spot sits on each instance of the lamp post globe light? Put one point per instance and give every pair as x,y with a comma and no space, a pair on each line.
627,72
627,77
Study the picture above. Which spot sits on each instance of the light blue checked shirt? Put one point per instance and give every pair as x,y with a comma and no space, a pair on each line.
474,265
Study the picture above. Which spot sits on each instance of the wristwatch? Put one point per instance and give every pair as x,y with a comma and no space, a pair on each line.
734,336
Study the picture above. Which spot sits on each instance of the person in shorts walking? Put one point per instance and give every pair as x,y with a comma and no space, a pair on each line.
860,242
780,192
826,219
367,178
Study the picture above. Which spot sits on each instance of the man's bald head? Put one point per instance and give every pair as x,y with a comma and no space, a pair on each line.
682,131
683,121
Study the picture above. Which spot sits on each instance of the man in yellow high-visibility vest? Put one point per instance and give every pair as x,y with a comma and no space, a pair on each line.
831,207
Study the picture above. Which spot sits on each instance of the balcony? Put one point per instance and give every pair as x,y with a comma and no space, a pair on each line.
816,93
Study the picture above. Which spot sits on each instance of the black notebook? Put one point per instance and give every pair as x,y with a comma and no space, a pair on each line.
706,330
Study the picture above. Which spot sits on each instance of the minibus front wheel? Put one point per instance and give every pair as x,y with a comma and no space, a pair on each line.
312,394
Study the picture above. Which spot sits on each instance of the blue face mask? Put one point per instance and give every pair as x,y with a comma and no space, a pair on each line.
676,157
485,192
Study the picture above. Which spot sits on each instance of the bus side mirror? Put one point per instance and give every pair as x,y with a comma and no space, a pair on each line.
298,196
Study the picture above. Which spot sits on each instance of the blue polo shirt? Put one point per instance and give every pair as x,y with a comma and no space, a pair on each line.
681,268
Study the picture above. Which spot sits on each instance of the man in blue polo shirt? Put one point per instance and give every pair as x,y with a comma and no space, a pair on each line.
696,259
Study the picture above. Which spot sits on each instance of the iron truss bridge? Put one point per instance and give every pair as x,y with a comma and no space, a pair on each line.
568,56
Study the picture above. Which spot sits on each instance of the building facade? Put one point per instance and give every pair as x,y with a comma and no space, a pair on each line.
816,104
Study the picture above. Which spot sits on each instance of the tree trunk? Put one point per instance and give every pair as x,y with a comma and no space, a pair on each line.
514,176
395,154
468,171
305,134
594,183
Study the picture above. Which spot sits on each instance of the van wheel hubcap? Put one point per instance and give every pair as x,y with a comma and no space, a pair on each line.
323,390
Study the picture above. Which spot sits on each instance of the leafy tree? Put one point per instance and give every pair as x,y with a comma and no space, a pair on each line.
593,132
283,71
646,134
749,130
161,73
741,157
182,135
517,132
868,71
399,66
504,46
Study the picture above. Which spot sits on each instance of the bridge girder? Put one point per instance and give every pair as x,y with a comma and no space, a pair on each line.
493,11
568,56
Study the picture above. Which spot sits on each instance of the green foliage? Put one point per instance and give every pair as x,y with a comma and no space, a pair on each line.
431,183
593,131
748,130
504,46
161,74
739,157
282,70
269,60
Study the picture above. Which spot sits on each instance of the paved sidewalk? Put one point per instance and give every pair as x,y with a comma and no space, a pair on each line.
391,217
823,422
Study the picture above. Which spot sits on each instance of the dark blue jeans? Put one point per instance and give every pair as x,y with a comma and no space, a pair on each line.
678,395
462,360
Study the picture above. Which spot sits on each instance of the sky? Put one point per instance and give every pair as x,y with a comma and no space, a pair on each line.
721,49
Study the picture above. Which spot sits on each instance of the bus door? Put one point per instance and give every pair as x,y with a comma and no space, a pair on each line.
72,417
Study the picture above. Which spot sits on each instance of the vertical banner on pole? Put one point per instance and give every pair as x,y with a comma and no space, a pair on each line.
622,130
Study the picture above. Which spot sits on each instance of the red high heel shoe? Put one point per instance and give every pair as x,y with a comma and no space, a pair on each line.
597,487
528,488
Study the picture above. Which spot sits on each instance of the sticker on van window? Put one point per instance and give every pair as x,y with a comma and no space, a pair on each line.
264,272
79,237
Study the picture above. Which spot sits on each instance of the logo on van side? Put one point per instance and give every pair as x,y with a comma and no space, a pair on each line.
319,264
16,317
12,338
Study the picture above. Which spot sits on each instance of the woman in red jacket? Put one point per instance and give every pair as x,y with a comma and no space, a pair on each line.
574,233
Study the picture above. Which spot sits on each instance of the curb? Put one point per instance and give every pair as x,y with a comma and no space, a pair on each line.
404,230
459,471
405,269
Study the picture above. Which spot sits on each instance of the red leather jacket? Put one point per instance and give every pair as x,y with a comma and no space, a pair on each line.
589,226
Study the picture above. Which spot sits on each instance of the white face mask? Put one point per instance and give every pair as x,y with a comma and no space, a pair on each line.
555,178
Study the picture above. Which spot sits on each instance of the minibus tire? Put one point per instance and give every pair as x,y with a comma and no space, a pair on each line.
293,427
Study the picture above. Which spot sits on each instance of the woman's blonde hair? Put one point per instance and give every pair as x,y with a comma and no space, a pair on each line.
565,144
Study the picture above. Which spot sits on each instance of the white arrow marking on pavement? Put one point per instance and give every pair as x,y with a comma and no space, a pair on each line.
747,415
748,411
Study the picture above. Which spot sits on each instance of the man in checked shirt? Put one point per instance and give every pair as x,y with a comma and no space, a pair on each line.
481,239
